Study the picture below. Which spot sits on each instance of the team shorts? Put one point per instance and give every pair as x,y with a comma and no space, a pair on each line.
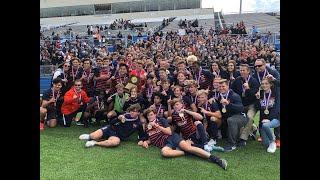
173,141
108,132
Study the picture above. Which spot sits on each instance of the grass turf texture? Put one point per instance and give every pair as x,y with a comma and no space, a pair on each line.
63,156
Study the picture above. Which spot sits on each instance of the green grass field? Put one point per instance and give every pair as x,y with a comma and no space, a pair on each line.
63,156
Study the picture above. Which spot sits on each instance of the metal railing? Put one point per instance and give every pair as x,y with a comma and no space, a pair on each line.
47,70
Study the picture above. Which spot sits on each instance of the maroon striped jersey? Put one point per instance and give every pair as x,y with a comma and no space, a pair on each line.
185,123
102,84
156,136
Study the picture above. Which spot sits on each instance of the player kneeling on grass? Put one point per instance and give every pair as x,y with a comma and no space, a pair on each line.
120,129
51,104
75,100
159,134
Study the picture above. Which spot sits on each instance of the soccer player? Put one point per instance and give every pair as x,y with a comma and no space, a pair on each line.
120,129
211,113
117,101
87,77
190,130
51,103
171,144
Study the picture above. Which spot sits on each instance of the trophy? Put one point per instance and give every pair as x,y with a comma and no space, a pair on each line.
133,81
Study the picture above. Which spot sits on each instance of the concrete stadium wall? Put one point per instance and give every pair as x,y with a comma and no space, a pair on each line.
108,19
61,3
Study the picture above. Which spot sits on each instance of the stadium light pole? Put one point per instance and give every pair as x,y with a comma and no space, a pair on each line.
240,6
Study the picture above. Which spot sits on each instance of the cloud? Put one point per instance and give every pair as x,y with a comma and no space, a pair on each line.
228,6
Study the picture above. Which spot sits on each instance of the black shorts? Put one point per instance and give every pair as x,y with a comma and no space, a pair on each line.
173,141
108,132
51,113
194,139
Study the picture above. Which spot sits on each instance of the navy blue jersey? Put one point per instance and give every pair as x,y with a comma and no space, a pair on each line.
139,100
209,107
193,98
214,94
48,94
75,73
125,129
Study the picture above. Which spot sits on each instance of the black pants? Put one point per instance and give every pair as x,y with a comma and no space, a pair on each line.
67,119
212,129
235,123
199,138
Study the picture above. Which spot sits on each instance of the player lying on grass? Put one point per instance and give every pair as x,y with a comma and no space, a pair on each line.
191,130
120,129
159,134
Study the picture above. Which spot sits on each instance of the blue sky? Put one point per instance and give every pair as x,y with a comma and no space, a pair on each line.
247,5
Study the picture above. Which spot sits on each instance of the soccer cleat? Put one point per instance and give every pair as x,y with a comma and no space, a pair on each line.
84,137
207,148
278,143
229,148
272,147
219,134
90,143
78,123
212,142
41,126
223,163
241,143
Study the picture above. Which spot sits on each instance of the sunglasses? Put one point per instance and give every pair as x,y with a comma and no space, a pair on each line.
77,85
258,66
66,66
